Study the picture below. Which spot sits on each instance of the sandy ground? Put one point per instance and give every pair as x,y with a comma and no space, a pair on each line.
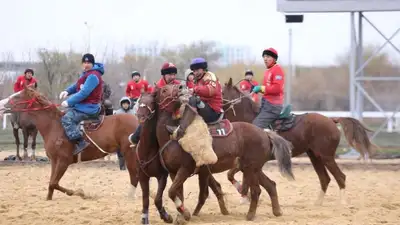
372,193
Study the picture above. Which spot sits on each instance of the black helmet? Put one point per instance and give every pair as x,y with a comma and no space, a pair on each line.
248,72
135,73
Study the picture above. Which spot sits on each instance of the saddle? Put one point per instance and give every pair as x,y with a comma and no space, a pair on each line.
93,124
221,127
285,121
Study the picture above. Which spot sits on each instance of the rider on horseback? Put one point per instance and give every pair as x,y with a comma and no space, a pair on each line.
85,101
207,92
273,89
27,79
135,87
168,73
248,83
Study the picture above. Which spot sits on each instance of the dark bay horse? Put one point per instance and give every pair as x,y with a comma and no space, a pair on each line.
105,137
250,143
311,133
28,130
156,162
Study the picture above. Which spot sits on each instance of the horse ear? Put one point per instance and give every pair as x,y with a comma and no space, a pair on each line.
229,84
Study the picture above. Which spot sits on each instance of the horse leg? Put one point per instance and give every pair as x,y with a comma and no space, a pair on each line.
158,201
270,186
57,173
231,177
203,193
145,186
25,134
180,191
216,188
180,178
17,142
253,182
33,145
323,175
130,160
339,176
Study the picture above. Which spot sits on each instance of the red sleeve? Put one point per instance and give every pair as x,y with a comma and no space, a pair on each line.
255,83
277,82
208,89
146,85
17,84
127,90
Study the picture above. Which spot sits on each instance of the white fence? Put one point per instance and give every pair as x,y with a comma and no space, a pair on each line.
393,124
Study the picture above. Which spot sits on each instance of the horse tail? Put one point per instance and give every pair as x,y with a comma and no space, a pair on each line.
356,135
282,151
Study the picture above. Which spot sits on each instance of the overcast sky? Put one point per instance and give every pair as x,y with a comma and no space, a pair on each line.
30,24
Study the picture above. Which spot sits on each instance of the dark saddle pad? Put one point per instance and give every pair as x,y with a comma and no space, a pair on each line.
285,121
221,128
93,124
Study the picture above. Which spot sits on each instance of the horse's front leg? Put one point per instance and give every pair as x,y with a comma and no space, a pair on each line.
158,201
180,178
17,142
25,134
144,184
33,145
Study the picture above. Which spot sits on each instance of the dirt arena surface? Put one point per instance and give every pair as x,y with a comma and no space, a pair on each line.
373,195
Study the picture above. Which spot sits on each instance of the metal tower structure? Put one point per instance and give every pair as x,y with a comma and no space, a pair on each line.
356,65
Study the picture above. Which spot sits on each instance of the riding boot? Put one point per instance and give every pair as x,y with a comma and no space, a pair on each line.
135,137
121,162
80,146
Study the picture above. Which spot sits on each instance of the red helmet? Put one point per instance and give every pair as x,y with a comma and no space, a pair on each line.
168,68
271,52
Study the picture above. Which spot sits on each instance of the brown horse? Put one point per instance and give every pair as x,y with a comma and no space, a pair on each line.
28,130
244,140
310,133
156,162
105,136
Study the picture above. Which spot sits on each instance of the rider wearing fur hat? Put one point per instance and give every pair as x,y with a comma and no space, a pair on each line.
207,91
272,88
168,73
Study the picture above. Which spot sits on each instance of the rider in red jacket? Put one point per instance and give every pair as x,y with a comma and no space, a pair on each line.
207,92
168,73
273,89
27,78
248,84
135,87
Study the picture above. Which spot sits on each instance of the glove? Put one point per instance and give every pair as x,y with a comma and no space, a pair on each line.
256,89
63,94
64,104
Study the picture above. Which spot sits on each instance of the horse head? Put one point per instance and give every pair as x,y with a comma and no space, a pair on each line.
28,100
147,107
231,91
168,97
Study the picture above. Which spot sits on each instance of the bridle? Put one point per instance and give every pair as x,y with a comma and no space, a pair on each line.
29,103
151,112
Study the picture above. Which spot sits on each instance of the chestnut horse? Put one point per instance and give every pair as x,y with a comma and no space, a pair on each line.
156,162
28,130
250,143
105,137
310,133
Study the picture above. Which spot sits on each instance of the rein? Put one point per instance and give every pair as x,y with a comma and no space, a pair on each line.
29,105
232,103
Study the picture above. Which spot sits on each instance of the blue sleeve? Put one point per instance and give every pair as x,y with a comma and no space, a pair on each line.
71,89
90,84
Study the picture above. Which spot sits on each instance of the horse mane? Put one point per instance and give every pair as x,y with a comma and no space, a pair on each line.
41,99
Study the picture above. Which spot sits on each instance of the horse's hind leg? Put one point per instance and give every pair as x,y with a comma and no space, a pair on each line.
144,184
17,142
180,190
203,193
339,176
158,201
216,188
33,145
253,182
25,133
323,176
270,187
131,165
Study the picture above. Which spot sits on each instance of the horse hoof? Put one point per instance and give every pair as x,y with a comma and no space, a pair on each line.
186,215
244,200
80,193
33,158
179,220
224,212
277,212
250,216
168,219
